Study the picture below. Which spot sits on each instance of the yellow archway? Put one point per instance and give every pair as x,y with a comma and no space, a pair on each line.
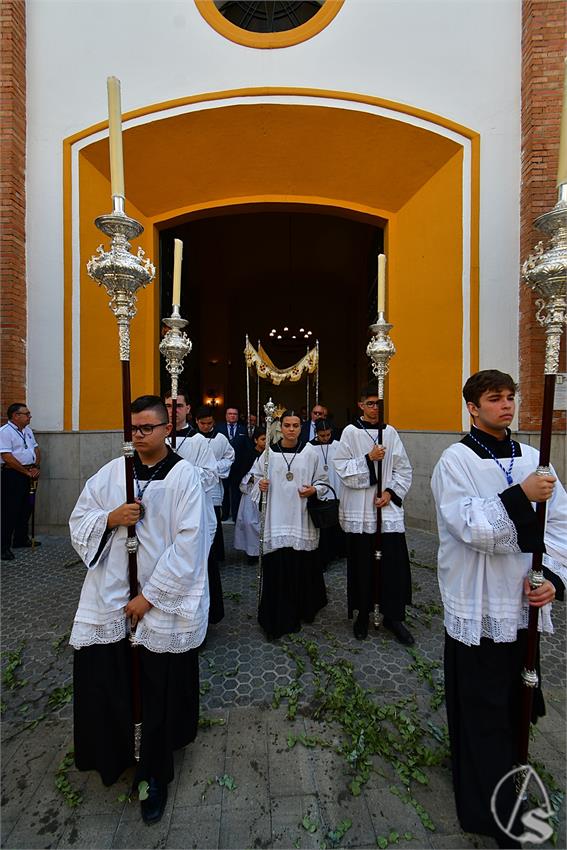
349,153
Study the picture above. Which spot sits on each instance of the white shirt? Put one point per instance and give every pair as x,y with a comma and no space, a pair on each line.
20,444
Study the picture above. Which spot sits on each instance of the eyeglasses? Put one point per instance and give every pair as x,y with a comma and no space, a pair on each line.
371,403
22,413
147,429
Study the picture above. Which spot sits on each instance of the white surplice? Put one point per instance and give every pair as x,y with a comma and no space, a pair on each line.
481,568
224,455
327,453
287,522
247,526
172,561
357,512
197,450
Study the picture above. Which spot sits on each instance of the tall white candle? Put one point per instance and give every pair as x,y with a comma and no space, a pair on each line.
115,136
562,167
177,258
381,283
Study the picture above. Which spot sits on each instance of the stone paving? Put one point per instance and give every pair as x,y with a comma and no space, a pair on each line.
253,777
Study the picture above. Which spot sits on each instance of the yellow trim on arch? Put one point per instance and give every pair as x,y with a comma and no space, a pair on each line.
280,91
474,300
263,40
67,289
379,215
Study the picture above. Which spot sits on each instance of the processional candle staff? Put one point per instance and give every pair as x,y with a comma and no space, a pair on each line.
269,410
247,390
380,349
258,392
122,274
316,374
545,271
175,345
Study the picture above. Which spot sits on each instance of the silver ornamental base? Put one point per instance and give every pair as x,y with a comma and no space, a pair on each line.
545,271
121,272
175,346
380,350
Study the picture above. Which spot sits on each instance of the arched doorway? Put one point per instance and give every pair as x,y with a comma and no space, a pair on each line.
252,272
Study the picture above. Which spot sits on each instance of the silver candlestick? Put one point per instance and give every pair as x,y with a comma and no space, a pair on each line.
545,271
175,346
269,411
119,271
122,274
380,350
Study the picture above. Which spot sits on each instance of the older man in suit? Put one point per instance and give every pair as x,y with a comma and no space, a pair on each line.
308,430
236,434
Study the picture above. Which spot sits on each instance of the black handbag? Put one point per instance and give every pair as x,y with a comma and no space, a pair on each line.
323,513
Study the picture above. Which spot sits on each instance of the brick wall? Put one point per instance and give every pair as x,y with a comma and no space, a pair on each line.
543,52
13,321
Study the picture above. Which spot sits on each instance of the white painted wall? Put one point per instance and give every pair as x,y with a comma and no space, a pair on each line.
458,58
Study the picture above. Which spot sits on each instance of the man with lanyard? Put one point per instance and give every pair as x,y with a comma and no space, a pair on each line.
169,614
355,463
484,489
20,458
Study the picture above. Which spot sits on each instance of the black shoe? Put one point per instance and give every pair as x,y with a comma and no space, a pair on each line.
8,555
154,806
360,627
399,630
27,544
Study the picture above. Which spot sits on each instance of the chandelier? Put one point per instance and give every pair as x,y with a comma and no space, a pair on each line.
287,334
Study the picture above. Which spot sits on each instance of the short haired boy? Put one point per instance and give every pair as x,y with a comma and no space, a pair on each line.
169,613
484,489
355,463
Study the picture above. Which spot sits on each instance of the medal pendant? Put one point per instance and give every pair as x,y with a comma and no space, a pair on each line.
289,476
142,511
325,467
509,479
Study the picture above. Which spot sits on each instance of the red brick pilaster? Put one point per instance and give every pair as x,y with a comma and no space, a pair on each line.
13,201
543,52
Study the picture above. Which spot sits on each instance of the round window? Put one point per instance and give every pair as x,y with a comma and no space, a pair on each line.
268,24
269,16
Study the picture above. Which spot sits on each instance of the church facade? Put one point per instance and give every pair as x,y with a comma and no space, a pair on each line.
285,153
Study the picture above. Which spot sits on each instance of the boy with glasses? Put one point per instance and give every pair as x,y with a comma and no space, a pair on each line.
169,613
355,463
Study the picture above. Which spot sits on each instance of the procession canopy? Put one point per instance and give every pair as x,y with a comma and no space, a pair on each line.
267,370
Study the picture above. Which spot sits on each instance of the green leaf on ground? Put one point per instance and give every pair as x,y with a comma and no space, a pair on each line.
226,781
308,824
